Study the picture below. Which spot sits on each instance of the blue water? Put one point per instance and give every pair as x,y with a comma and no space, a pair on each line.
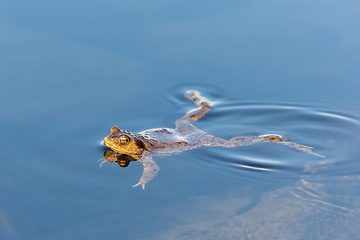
72,70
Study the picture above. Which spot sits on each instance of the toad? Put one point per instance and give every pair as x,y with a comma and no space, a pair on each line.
143,146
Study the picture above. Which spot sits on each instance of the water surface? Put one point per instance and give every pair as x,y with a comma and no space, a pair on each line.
71,71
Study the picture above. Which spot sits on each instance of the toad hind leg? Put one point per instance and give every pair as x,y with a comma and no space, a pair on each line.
204,106
249,140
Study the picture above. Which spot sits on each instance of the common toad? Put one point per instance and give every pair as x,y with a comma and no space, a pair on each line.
144,145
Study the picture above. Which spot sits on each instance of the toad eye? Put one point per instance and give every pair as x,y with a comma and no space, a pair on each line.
123,139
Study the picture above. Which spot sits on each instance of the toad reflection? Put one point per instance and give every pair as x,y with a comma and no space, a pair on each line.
143,146
122,159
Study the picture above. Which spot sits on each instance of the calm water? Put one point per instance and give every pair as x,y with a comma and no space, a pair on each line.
72,70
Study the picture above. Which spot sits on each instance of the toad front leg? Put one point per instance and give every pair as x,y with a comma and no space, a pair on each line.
150,171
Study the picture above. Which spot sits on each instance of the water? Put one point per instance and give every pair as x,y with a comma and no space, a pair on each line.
70,71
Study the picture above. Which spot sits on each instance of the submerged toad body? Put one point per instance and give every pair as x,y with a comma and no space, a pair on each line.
164,141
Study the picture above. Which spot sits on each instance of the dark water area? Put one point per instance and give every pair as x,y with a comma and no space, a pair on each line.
72,70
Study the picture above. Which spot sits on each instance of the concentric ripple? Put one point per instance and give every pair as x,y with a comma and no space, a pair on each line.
332,134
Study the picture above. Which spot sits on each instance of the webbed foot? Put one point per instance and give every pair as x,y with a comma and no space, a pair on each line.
140,183
284,141
203,104
150,171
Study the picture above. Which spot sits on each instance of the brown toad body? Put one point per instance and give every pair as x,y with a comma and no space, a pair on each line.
144,145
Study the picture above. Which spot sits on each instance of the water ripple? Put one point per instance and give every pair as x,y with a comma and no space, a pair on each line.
330,133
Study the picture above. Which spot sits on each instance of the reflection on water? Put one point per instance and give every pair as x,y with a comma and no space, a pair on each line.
122,159
337,198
